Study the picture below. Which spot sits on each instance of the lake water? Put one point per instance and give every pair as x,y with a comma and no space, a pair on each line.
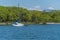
30,32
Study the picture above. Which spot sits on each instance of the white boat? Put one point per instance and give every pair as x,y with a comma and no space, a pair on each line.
18,24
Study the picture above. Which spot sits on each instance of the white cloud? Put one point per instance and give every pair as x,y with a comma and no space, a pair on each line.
35,8
51,8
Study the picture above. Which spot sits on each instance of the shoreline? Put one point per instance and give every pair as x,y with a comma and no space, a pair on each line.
5,23
27,23
50,23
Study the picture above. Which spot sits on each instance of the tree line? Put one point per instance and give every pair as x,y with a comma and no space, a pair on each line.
11,14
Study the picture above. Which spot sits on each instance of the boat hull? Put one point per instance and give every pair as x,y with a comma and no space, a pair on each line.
18,24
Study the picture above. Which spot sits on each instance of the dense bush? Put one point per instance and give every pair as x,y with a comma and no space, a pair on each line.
11,14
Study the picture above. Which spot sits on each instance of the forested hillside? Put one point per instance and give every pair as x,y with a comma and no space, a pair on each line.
11,14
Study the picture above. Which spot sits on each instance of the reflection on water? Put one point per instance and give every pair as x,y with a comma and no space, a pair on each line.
30,32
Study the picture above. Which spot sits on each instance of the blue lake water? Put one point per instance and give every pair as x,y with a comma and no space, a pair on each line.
30,32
